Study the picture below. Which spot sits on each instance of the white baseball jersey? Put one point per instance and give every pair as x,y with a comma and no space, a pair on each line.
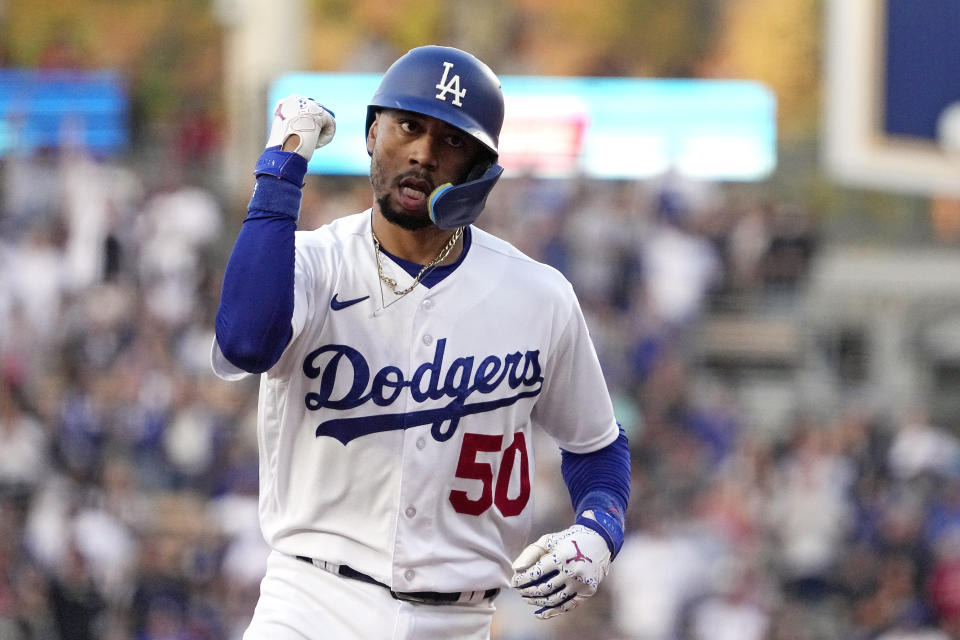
398,440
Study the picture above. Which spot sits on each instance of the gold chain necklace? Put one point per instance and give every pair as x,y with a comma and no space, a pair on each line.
390,282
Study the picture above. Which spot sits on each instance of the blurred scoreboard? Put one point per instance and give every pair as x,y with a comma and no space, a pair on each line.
892,94
54,109
606,128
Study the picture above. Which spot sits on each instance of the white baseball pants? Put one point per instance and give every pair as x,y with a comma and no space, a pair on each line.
301,602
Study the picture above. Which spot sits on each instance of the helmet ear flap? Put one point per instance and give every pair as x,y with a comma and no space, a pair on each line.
480,168
453,206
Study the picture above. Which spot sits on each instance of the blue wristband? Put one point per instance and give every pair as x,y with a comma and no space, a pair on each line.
608,526
287,165
274,197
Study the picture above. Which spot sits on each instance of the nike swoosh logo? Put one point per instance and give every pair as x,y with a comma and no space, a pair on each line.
337,305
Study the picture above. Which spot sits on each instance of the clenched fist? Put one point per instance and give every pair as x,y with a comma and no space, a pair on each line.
311,122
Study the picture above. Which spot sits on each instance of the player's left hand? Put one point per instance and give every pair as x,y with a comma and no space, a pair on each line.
313,125
560,569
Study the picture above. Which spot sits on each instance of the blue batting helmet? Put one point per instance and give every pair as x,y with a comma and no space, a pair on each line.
447,84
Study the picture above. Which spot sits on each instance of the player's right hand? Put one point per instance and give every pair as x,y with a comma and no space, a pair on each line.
306,118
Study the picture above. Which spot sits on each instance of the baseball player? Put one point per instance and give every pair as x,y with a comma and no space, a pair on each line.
406,357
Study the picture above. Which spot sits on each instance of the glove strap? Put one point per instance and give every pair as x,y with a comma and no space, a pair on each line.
287,165
608,526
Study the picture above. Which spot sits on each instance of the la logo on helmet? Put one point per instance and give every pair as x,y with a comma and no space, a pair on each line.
452,86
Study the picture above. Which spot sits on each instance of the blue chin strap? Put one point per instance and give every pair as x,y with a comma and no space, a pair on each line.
453,206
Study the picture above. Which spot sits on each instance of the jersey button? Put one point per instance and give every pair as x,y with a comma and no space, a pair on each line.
428,339
421,443
410,512
427,304
408,574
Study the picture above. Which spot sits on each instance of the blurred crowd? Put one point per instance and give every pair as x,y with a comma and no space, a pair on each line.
128,472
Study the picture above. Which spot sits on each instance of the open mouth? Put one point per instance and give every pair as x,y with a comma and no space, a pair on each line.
414,193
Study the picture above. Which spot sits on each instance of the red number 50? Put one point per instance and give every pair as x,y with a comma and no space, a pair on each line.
492,494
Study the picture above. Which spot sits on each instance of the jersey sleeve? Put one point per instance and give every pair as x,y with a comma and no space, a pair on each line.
575,407
223,368
307,285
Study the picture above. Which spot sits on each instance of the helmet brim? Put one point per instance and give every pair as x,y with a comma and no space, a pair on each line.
461,121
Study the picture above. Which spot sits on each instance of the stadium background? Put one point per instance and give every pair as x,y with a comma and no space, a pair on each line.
784,352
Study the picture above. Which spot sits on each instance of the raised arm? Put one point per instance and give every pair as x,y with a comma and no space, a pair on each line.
256,299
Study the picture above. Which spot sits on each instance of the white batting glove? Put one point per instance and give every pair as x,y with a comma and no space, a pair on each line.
560,569
305,117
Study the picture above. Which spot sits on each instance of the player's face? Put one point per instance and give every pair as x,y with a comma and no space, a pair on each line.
411,155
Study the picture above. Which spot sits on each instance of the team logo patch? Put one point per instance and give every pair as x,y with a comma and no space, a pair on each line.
450,85
500,381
